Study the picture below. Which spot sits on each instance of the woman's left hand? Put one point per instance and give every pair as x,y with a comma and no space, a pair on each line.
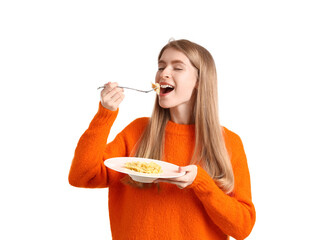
183,181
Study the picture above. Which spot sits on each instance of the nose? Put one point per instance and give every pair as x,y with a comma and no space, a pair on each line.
165,73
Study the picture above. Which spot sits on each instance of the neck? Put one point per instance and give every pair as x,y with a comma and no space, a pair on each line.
182,115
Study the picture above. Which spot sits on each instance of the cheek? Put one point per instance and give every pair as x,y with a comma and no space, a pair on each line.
157,76
192,83
186,89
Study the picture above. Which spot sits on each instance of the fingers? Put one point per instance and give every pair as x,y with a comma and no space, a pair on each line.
179,184
182,179
108,87
112,96
185,180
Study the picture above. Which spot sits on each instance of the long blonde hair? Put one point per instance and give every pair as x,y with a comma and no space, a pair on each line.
210,150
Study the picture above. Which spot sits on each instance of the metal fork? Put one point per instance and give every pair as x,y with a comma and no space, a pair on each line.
132,89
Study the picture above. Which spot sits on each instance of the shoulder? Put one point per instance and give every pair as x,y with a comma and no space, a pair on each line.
137,126
230,136
140,122
232,140
234,146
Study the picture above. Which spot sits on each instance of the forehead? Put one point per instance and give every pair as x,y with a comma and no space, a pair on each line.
171,54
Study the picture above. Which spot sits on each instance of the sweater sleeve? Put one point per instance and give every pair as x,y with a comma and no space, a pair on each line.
234,214
87,169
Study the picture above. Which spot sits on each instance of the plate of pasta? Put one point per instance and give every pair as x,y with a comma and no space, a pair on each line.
143,170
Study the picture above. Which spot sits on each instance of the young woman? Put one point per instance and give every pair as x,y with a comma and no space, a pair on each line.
213,199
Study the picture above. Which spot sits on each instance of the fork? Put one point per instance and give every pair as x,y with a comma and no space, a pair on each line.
132,89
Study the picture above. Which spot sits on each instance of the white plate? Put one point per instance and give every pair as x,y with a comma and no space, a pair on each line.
169,170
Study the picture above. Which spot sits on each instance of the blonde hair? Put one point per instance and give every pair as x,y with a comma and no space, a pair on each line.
210,150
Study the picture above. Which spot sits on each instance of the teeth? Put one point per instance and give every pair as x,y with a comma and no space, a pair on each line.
166,86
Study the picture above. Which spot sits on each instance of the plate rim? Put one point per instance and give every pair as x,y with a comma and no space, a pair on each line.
131,172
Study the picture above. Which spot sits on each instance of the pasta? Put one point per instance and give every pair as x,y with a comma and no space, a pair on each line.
156,88
144,167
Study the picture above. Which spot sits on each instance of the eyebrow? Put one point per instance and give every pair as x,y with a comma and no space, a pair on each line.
172,62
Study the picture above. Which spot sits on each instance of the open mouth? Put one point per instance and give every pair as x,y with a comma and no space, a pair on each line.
164,89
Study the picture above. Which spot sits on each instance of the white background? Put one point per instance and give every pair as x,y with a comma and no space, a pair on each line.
54,55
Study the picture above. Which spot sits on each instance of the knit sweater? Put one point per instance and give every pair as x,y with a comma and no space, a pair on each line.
200,211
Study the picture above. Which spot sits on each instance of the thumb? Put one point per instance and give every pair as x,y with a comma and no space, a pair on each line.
189,168
183,169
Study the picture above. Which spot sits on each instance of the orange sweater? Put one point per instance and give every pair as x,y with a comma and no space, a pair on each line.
200,211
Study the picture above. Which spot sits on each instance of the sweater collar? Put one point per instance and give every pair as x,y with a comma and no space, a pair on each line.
181,129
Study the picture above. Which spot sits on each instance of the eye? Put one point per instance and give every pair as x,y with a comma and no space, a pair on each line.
161,68
178,67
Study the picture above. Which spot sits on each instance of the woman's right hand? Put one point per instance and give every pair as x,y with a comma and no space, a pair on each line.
111,96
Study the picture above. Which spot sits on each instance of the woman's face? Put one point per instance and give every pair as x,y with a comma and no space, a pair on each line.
177,78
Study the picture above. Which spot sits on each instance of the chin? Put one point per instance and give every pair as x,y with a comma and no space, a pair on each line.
165,105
